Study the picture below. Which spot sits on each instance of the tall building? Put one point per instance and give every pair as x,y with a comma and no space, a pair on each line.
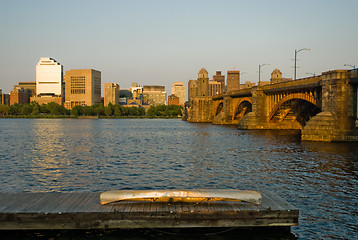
49,77
20,96
83,87
154,95
30,86
111,93
178,90
215,88
49,82
233,80
221,79
203,83
4,98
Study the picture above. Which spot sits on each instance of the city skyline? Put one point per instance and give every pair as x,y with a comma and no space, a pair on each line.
165,42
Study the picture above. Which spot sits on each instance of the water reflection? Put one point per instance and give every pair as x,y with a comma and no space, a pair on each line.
101,154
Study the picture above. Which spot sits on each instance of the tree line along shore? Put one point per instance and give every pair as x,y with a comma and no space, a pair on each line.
35,110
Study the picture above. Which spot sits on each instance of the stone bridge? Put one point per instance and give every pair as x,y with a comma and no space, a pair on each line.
323,107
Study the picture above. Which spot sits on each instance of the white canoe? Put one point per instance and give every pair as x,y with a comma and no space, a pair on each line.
199,195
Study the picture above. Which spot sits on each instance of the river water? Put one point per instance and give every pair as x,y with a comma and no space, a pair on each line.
66,155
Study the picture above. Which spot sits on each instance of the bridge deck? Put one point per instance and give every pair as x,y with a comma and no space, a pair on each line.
29,211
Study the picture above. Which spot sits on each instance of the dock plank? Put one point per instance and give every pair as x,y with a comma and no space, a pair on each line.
84,211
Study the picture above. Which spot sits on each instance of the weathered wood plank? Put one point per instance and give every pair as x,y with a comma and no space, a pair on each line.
83,211
280,201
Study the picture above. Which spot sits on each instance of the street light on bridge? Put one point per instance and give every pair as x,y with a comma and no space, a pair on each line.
261,65
349,65
297,51
242,73
312,74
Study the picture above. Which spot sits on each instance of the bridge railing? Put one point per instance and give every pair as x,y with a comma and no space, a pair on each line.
299,83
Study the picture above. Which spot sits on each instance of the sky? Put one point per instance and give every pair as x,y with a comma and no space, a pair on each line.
159,42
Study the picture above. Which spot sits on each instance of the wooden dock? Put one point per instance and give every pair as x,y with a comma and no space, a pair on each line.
33,211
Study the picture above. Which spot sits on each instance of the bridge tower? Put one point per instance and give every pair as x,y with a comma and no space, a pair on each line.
203,83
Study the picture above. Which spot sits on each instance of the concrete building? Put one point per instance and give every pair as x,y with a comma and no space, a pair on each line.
136,91
83,87
111,93
215,88
173,100
233,80
178,90
31,86
49,82
49,77
4,98
20,96
221,79
154,95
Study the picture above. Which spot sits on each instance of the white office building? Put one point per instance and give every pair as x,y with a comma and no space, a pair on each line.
49,77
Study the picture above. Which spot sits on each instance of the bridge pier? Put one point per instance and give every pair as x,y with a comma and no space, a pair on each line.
336,122
226,116
200,110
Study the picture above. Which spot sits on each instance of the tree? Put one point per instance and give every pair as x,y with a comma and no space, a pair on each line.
54,108
133,111
87,110
150,111
124,111
98,109
108,111
15,109
43,108
35,110
76,111
117,110
4,109
141,111
26,109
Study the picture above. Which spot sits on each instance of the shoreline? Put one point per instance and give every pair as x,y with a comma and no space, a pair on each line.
95,117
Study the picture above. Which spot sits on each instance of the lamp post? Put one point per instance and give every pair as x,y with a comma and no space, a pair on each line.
297,51
261,65
349,65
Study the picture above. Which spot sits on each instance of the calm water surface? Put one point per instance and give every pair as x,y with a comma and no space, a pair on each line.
65,155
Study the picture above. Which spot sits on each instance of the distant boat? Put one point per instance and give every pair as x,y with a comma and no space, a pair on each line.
199,195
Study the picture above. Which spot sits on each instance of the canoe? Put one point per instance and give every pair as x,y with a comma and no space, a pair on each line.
199,195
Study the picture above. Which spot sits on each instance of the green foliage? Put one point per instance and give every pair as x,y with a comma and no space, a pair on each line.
108,110
26,109
98,109
164,110
76,111
4,109
54,109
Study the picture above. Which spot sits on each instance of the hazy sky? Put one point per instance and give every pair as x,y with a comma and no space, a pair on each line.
162,42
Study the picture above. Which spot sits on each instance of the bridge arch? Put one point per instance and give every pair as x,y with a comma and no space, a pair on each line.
218,107
242,107
300,100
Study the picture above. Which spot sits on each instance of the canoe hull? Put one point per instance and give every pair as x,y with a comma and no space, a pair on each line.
181,195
